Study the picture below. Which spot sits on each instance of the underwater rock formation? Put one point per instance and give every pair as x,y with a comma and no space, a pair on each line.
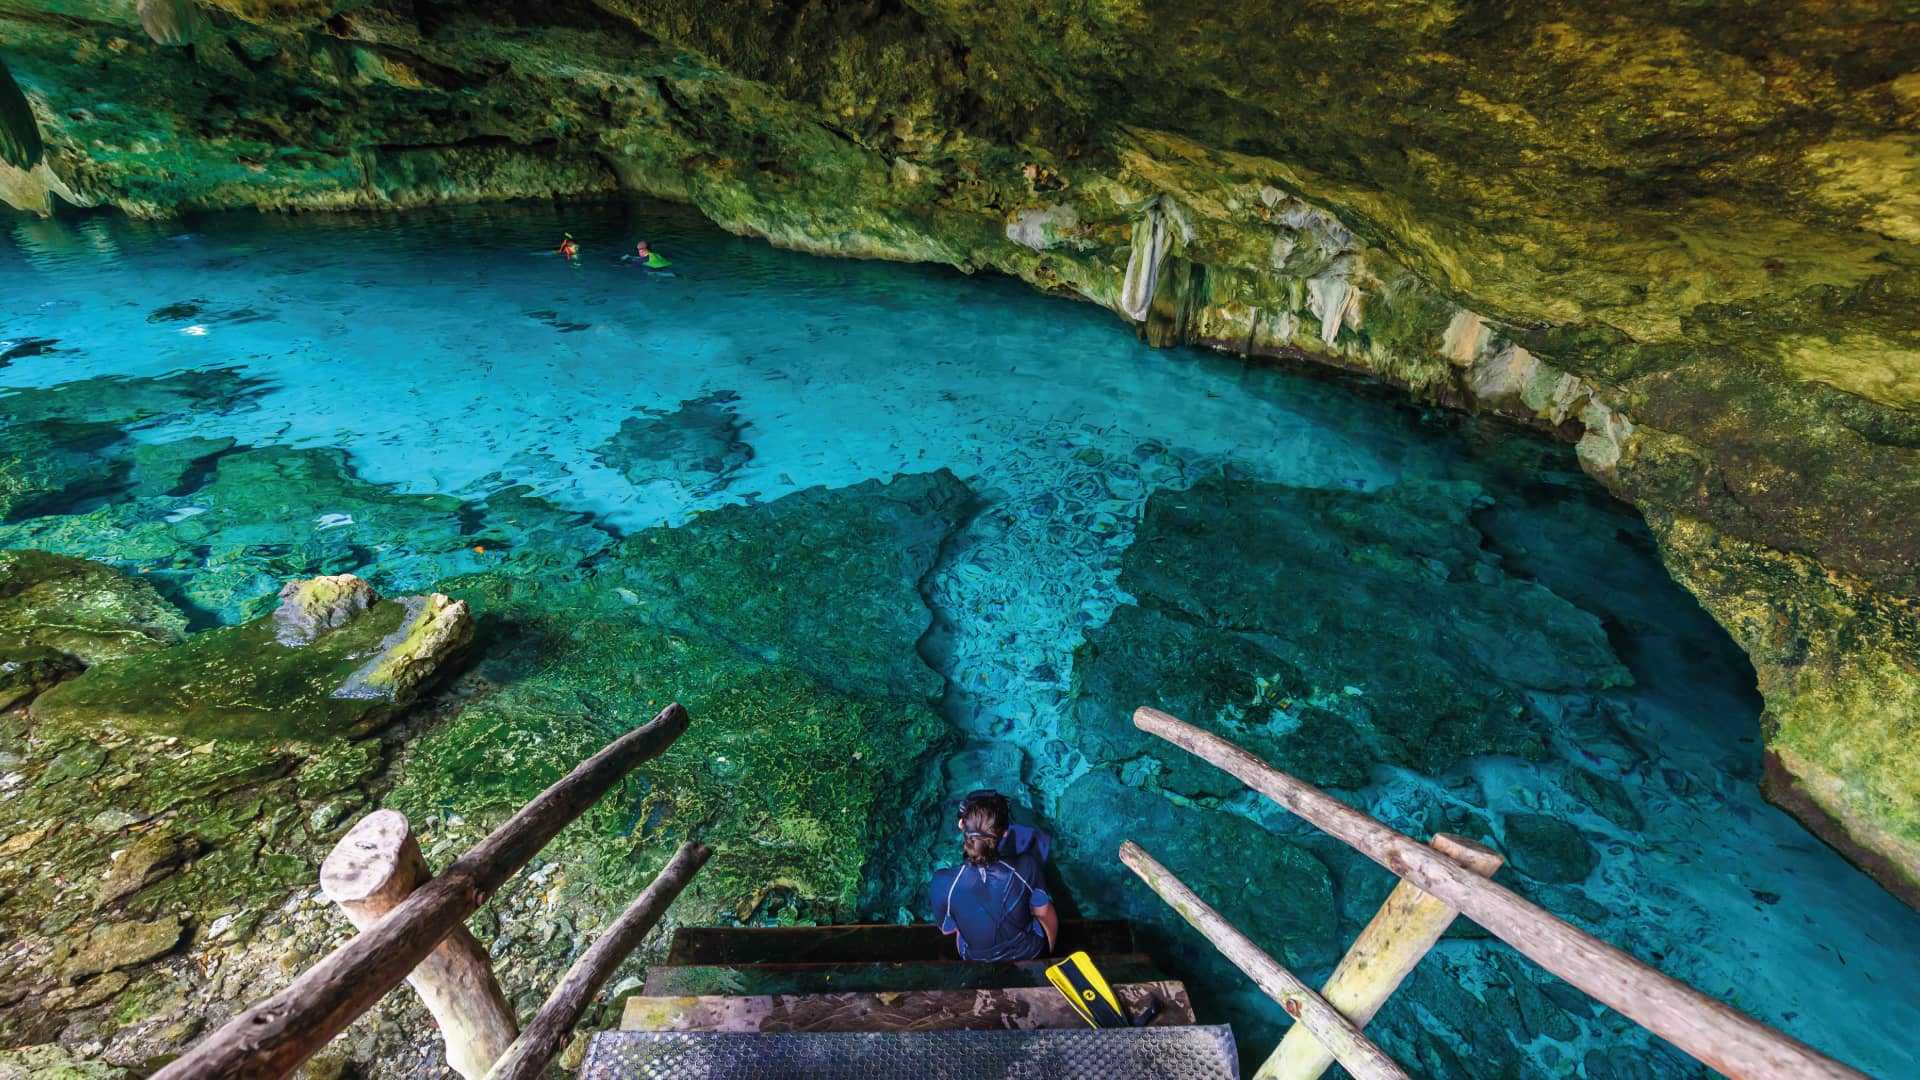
788,629
698,445
252,682
80,609
1685,237
1317,646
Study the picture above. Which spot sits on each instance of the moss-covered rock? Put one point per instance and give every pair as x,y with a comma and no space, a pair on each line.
111,946
1839,664
788,630
246,682
79,609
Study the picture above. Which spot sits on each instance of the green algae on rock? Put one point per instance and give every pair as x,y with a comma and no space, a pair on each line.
787,629
246,682
80,609
1839,664
122,850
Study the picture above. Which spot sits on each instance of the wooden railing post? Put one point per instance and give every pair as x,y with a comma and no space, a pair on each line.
1384,954
369,872
1360,1057
273,1037
528,1058
1717,1034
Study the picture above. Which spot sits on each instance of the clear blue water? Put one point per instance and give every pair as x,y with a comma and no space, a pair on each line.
449,353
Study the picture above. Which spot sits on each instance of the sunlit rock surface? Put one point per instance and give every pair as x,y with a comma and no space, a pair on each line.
1688,238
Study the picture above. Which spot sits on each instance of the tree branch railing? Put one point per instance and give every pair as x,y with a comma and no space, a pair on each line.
271,1038
1713,1032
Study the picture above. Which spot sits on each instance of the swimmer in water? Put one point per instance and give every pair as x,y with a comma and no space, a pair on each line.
647,257
568,249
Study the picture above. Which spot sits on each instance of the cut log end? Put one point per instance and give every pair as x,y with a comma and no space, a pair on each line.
1471,854
370,859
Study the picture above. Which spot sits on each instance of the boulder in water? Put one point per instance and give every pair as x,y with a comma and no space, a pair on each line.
356,672
312,607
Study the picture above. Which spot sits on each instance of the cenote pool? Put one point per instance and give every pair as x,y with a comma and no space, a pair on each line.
1010,524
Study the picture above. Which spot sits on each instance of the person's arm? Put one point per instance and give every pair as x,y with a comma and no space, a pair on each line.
1049,920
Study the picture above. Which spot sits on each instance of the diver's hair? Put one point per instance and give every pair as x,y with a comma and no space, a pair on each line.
983,817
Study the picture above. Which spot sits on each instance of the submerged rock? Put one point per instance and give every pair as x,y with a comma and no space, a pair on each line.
823,580
1302,624
80,609
1546,848
245,682
788,630
228,526
699,445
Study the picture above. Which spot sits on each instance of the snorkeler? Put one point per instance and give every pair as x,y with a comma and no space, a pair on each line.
646,258
568,249
995,903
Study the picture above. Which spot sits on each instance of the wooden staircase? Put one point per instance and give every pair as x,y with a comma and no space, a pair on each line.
893,1001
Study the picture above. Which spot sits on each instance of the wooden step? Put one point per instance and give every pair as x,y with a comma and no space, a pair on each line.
866,943
1023,1007
693,980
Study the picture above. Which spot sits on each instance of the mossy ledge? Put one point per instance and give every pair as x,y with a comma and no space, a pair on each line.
1687,238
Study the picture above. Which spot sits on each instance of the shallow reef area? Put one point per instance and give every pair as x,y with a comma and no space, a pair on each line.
890,534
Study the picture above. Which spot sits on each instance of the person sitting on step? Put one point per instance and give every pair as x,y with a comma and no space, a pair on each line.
995,902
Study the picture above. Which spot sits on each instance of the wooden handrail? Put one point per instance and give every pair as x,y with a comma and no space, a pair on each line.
1719,1035
272,1038
527,1058
1349,1047
1393,943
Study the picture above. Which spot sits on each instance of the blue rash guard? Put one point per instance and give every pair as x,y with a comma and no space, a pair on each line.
1024,838
989,909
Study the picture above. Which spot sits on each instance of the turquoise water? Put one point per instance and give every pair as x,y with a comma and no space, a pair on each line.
1442,619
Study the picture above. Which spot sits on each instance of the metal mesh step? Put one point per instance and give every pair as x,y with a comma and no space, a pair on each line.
1171,1053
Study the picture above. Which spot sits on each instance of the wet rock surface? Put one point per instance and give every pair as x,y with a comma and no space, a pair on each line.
79,609
245,682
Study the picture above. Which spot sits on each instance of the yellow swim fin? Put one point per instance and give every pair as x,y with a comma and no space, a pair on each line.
1087,991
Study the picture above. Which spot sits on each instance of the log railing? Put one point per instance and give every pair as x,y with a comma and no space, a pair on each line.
376,875
1454,879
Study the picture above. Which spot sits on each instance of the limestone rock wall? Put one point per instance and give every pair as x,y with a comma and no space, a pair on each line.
1687,238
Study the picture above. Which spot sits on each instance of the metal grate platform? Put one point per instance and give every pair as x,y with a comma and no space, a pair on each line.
1170,1053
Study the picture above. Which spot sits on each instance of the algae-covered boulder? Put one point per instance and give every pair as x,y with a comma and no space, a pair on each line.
1839,664
246,682
1325,630
81,609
